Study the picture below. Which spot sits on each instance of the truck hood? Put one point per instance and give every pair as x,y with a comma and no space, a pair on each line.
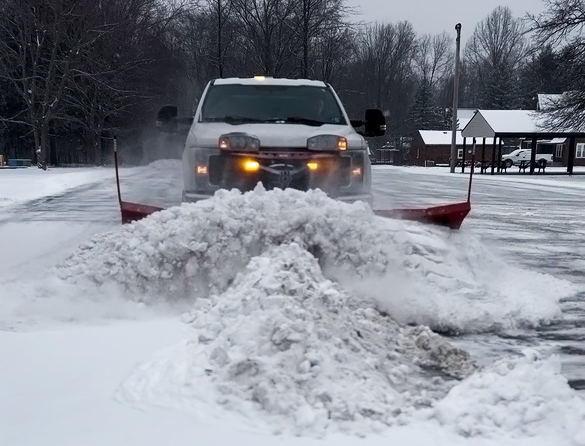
271,135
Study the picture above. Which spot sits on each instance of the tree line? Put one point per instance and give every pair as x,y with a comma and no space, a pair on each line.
73,73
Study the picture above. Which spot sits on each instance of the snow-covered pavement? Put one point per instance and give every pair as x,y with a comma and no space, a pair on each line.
281,316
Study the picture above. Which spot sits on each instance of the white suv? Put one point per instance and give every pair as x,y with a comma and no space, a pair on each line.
517,156
280,132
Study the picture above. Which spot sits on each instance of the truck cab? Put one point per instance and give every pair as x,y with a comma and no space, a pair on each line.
283,133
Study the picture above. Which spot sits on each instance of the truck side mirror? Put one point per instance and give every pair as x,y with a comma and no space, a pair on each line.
166,119
375,124
168,122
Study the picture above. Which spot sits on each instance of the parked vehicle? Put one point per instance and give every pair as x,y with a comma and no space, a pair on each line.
516,157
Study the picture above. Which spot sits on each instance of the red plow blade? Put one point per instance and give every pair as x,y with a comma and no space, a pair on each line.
450,215
134,211
130,211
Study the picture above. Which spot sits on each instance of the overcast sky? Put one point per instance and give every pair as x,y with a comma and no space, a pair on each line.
436,16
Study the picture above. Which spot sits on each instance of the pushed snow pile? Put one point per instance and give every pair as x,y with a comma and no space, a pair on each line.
284,340
417,273
514,398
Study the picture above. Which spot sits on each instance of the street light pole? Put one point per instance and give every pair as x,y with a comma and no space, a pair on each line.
455,101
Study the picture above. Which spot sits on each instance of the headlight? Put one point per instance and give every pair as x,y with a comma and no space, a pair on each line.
239,142
327,143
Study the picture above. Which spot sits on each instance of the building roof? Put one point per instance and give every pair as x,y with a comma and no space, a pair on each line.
443,138
548,101
489,123
513,124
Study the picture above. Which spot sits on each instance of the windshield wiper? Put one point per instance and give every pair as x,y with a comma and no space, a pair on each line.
245,120
234,119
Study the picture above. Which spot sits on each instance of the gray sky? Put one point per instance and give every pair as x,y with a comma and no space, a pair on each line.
436,16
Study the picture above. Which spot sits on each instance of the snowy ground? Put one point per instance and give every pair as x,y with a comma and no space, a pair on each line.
286,317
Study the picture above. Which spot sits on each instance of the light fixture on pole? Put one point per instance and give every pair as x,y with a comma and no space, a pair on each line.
453,162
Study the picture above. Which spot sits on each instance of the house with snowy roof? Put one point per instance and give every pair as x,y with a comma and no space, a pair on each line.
531,129
547,101
433,147
498,132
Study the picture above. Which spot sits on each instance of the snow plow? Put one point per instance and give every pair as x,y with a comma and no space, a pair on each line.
130,211
284,133
450,215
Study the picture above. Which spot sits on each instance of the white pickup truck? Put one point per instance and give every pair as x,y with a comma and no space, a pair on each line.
280,132
516,157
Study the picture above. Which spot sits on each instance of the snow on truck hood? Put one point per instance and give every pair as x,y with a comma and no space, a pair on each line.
269,81
271,134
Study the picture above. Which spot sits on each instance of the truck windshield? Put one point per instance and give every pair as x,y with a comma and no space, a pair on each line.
298,104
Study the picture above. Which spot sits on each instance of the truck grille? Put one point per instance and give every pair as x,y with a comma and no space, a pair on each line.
332,172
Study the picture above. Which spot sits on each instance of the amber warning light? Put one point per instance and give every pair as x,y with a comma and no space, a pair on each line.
251,165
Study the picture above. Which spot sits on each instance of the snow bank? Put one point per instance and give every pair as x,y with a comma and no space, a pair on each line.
417,273
284,340
516,398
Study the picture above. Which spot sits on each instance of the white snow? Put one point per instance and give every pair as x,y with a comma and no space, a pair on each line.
54,181
270,316
520,397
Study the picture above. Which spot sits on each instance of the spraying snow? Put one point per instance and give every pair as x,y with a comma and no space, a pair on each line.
416,273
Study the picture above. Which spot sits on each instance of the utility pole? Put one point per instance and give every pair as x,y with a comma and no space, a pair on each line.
455,101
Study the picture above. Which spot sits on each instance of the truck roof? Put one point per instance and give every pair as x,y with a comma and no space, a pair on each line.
268,81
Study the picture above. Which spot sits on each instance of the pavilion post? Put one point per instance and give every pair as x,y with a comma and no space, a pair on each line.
499,154
533,155
571,157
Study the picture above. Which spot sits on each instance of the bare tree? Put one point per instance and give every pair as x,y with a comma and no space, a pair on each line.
331,52
384,66
433,60
266,33
561,26
493,55
562,23
221,14
39,46
310,22
80,64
